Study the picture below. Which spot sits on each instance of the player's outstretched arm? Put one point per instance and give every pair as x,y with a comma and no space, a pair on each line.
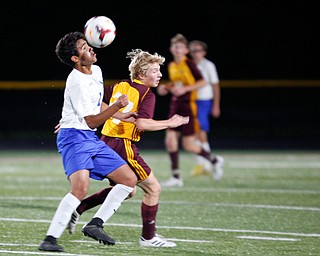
156,125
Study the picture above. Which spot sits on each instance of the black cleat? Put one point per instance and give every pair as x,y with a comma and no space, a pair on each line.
50,246
97,233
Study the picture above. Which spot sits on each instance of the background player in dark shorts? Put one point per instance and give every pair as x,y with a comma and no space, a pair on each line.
184,81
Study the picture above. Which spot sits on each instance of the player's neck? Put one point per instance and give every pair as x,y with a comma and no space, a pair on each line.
85,69
178,59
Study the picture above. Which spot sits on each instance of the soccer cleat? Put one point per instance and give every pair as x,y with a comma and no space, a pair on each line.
50,246
197,170
156,241
172,182
97,233
207,168
73,222
218,168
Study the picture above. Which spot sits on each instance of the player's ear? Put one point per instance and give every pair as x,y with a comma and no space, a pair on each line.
141,76
75,59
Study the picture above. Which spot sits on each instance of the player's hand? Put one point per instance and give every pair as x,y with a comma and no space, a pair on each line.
178,91
162,90
177,120
122,101
216,112
130,117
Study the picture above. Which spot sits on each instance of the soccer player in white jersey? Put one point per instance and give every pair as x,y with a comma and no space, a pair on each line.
84,155
208,104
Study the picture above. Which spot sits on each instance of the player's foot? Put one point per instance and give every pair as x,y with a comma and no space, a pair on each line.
218,168
156,241
197,170
73,222
97,233
172,182
50,246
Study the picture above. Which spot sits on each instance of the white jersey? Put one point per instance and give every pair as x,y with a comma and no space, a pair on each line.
82,97
210,74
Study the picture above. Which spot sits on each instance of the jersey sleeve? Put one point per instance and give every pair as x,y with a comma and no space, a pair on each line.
147,105
108,93
194,70
212,73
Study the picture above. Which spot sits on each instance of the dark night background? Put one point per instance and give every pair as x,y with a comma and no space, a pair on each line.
248,40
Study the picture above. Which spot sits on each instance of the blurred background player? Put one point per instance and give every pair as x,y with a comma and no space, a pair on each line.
208,104
122,137
184,81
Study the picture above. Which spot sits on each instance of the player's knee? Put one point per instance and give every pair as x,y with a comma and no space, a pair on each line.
130,178
130,182
170,145
132,193
155,189
152,190
190,147
80,191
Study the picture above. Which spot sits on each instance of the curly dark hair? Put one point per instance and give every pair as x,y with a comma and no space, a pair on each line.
67,47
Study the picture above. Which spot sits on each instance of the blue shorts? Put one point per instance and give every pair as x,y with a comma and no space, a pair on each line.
83,150
204,114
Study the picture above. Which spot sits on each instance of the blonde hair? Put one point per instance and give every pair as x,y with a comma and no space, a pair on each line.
140,61
179,38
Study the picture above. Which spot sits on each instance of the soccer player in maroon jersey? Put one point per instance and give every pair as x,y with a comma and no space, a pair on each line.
184,80
121,137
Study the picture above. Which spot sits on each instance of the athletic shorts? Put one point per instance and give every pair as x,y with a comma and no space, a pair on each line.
204,114
82,150
130,153
185,108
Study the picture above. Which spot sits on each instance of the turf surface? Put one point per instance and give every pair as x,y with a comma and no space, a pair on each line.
267,203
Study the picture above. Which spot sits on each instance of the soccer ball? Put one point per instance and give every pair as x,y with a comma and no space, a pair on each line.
100,31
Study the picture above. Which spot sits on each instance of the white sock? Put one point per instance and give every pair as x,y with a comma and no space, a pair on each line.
113,201
199,159
206,146
59,222
205,163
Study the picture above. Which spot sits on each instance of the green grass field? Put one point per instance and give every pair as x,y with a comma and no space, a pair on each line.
267,203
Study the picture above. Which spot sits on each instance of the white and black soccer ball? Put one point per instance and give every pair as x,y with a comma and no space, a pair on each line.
100,31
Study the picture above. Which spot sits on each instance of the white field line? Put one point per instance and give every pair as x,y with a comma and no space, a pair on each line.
41,253
260,206
171,239
253,190
9,244
198,190
268,238
180,228
280,165
94,242
226,190
276,207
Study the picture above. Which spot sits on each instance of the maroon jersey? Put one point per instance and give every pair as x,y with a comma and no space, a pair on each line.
185,73
121,136
141,100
